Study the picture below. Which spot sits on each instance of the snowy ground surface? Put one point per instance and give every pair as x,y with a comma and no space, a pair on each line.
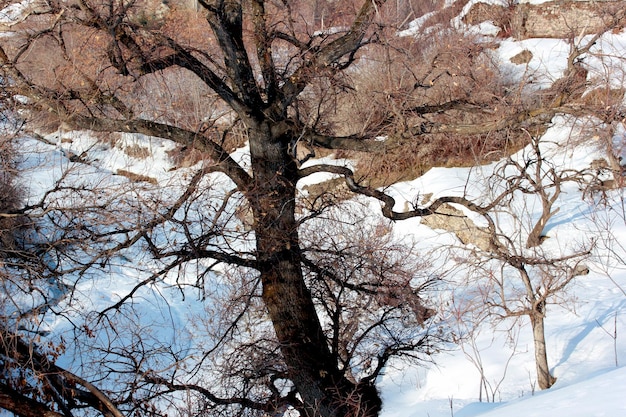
586,348
586,351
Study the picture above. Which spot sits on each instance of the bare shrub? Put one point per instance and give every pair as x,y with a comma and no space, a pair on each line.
449,80
603,97
365,279
447,150
515,276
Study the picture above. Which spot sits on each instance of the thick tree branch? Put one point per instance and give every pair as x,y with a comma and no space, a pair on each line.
22,405
389,202
222,159
329,55
226,19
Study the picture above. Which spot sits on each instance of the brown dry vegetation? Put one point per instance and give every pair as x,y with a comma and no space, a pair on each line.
442,68
136,177
137,151
320,14
451,69
390,90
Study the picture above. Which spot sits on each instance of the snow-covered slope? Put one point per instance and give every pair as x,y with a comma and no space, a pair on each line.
585,335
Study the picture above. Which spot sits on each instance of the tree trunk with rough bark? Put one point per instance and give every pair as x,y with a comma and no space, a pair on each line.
324,388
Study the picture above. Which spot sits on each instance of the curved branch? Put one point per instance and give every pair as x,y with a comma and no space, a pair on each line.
389,202
93,396
245,402
223,160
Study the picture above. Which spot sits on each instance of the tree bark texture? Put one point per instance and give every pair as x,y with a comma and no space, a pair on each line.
324,388
21,405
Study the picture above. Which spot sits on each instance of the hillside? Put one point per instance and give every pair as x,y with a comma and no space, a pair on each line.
584,345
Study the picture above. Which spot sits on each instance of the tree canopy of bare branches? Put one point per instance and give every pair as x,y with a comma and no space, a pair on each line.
255,71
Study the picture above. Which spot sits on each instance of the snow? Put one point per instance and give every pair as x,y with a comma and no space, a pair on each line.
15,12
599,395
585,347
583,336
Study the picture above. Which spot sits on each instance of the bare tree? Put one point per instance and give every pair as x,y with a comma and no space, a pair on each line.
247,69
516,275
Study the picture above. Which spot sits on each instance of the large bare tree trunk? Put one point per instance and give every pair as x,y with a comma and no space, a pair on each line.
323,386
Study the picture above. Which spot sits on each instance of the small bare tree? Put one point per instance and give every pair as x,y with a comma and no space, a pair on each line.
518,275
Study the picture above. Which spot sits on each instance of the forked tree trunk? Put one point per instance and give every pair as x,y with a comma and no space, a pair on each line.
325,390
544,378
